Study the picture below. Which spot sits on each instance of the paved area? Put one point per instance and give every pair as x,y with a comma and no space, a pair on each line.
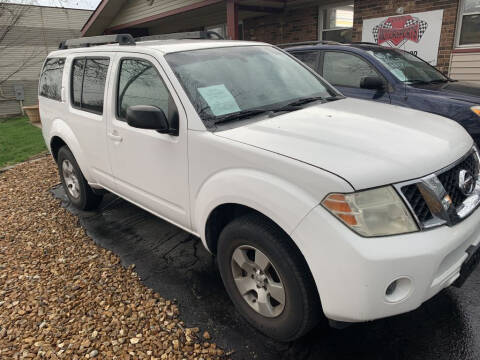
176,265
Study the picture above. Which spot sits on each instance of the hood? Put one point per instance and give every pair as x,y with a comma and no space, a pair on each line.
457,90
367,143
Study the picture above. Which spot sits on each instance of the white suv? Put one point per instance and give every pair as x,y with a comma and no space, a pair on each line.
313,203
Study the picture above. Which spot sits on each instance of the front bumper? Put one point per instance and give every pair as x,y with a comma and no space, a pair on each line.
353,273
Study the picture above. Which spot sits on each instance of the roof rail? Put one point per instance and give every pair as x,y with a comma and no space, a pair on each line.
364,43
317,42
120,39
183,35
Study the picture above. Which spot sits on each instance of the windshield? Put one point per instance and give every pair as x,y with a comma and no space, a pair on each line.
407,67
244,79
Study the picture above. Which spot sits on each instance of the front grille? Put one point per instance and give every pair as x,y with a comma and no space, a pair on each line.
449,179
417,202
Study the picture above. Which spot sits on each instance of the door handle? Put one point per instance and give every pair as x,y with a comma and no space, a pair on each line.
115,137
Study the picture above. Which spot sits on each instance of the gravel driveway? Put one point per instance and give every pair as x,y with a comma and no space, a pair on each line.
63,297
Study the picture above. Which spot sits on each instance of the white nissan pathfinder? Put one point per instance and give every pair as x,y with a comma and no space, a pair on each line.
312,202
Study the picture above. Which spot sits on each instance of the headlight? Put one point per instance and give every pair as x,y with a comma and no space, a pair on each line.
476,110
374,212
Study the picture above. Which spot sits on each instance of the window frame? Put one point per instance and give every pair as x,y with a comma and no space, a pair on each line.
321,30
322,62
458,31
83,81
171,99
61,84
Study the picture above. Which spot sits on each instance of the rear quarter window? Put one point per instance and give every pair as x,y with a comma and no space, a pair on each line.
51,79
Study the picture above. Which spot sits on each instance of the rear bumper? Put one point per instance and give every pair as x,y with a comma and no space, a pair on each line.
352,273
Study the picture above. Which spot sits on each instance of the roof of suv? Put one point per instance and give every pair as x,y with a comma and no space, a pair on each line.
164,46
337,46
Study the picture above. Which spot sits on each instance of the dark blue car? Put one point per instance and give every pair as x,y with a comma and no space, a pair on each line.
372,72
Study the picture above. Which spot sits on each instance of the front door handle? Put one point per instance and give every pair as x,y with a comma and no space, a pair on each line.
115,137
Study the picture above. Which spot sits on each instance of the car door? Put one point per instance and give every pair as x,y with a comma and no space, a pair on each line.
86,93
150,168
345,71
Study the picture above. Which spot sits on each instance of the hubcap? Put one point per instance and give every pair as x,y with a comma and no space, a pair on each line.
258,281
71,179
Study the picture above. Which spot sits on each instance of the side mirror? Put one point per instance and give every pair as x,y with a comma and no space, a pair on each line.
372,83
147,117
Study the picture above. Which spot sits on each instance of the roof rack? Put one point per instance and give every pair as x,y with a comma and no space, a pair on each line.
120,39
183,35
127,39
317,42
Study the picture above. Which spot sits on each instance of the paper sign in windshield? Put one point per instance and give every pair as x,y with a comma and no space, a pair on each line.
220,100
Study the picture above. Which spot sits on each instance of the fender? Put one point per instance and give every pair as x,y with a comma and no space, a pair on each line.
283,202
61,129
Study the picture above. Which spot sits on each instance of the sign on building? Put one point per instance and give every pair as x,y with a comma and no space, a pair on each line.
418,33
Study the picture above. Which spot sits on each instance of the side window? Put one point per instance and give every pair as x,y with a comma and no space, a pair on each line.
342,69
51,79
140,84
308,57
88,83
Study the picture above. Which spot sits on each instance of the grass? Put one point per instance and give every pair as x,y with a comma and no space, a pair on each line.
19,141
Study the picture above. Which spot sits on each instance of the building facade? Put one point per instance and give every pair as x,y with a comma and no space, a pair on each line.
445,33
27,35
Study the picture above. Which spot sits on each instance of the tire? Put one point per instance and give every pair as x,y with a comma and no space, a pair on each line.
76,186
256,237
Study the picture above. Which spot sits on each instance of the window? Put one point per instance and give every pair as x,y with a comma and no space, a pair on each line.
88,83
469,22
140,84
310,58
342,69
336,23
51,79
223,81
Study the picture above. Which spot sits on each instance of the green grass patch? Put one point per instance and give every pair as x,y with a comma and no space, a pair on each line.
19,141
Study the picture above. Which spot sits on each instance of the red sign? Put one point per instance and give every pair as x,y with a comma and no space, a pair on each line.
397,30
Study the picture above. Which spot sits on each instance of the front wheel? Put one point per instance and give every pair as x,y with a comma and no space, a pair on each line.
267,278
76,186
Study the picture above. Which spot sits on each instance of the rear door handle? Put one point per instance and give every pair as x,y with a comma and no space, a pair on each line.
115,137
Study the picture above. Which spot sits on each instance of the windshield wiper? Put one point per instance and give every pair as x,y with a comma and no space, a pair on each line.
240,115
295,105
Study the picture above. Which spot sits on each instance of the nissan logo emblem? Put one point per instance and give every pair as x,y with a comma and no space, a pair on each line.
466,182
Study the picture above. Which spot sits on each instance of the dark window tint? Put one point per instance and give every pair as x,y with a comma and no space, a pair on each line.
88,83
51,79
470,33
309,58
342,69
140,84
77,81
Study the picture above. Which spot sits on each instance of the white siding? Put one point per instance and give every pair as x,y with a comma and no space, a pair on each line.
135,10
39,31
465,66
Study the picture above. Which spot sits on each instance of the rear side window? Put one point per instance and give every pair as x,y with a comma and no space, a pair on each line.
51,79
140,84
88,83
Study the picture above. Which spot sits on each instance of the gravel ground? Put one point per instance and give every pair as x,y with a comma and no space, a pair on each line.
63,297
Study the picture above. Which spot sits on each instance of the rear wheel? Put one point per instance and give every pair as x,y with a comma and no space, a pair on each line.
76,186
267,278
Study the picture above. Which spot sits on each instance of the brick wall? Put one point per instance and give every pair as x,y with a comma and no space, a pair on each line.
292,26
366,9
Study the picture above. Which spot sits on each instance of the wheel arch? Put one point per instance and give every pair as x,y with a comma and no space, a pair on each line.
62,135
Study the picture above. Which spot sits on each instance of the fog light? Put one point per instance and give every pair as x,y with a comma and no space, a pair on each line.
399,290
